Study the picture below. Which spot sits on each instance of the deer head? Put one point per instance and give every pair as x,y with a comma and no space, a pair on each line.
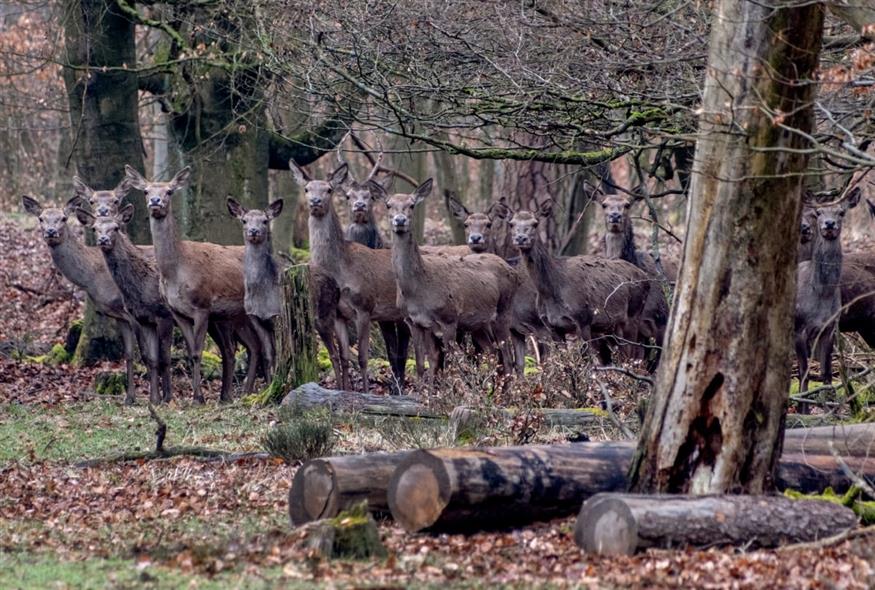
256,222
524,225
319,192
616,211
401,205
828,219
478,226
806,229
360,196
52,220
102,203
106,228
158,194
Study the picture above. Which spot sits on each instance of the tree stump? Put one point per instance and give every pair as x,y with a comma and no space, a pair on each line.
621,524
350,535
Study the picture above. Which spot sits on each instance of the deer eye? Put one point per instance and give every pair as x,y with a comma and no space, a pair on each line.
626,206
64,219
489,225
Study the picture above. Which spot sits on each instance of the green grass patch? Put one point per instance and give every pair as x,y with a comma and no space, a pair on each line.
104,427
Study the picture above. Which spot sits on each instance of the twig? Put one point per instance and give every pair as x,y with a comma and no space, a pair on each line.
199,453
827,541
609,408
627,372
856,479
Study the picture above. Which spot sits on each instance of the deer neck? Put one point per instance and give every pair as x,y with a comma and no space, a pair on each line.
827,259
327,246
544,270
622,245
165,237
366,233
258,262
76,262
407,262
128,265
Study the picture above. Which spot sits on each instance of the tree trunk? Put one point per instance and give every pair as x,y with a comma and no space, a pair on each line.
501,487
621,524
311,395
101,87
322,488
715,421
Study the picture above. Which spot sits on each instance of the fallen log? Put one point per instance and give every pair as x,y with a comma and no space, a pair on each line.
854,440
621,524
477,489
322,488
312,395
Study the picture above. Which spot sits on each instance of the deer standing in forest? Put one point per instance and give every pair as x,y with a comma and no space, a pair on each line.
620,244
85,267
442,294
595,298
481,237
818,295
261,277
362,275
363,227
135,274
201,283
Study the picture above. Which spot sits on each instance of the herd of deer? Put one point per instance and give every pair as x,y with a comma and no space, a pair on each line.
430,296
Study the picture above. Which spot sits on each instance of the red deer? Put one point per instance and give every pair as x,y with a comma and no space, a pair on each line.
362,275
442,294
363,226
806,234
620,244
481,237
85,267
261,277
201,282
818,295
135,274
595,298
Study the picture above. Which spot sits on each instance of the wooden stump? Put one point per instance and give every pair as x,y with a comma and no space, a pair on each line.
296,343
322,488
621,524
351,535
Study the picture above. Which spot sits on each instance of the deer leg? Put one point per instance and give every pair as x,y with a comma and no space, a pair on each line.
127,332
264,331
420,349
519,352
363,330
198,337
149,349
165,338
824,355
390,337
802,354
403,339
223,334
341,332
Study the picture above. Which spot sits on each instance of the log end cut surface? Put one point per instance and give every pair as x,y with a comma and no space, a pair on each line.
609,528
418,492
311,493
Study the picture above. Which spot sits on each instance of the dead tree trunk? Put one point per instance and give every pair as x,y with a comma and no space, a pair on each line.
715,420
621,524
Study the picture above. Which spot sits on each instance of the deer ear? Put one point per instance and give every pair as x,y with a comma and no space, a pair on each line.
339,176
422,191
298,174
499,210
378,191
86,218
235,208
545,209
126,213
31,205
871,207
274,209
136,179
458,210
82,189
123,188
72,204
853,198
181,178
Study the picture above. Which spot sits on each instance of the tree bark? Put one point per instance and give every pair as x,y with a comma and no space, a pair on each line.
313,395
501,487
715,421
322,488
102,90
847,440
621,524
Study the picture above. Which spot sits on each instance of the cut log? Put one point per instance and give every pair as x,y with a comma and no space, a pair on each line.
461,489
854,440
322,488
478,489
621,524
312,395
465,417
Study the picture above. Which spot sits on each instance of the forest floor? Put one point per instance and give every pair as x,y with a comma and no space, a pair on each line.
186,522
